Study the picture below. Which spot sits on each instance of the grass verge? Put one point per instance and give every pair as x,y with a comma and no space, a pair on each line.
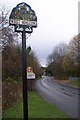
72,82
37,108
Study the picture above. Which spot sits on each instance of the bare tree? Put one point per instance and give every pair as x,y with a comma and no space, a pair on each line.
56,60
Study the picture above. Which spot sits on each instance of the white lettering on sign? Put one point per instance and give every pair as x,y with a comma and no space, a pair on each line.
23,22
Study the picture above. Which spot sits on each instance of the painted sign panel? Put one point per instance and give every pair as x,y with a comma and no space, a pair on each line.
19,28
22,14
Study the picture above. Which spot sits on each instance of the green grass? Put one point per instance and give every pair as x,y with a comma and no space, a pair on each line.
76,83
37,108
14,112
73,82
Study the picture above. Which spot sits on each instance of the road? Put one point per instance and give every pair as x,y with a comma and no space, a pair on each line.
63,96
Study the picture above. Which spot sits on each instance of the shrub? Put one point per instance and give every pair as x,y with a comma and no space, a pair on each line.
11,92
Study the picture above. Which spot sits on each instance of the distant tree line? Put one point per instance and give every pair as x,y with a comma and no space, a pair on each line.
64,61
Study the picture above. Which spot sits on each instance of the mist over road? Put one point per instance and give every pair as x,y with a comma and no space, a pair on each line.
63,96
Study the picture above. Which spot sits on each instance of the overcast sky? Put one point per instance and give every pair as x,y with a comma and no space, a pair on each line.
57,22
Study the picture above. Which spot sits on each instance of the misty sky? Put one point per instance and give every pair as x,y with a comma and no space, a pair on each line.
57,22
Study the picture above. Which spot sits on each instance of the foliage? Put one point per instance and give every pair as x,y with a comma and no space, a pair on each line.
11,62
14,112
11,92
33,61
64,61
55,61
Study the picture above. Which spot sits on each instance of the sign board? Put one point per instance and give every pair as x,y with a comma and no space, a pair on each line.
31,76
22,15
30,73
29,70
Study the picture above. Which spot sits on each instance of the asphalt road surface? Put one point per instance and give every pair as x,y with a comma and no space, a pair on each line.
63,96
